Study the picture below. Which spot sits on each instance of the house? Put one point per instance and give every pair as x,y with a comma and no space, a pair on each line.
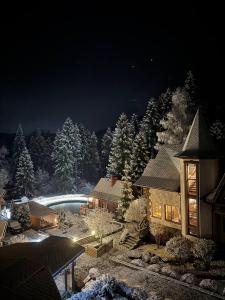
42,216
107,193
3,227
38,270
185,186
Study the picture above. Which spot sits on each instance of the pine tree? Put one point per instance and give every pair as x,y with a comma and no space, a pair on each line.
94,170
134,124
85,151
105,149
190,88
127,192
165,103
121,147
43,185
18,147
150,125
177,122
66,155
37,149
139,157
24,179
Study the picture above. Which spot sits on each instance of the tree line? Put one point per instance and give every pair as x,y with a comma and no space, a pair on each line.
44,163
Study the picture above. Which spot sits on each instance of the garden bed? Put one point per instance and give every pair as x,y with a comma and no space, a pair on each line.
98,250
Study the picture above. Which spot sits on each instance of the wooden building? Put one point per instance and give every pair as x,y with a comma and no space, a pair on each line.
107,194
42,216
30,270
178,182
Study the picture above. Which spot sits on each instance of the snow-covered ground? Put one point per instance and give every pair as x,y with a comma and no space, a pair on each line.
61,198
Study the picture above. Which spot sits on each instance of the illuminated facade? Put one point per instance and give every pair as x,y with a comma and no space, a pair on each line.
181,185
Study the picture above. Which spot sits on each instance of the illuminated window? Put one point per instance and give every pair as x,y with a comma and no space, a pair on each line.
192,197
156,210
172,214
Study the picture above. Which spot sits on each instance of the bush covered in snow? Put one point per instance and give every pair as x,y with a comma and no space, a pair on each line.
188,278
109,288
169,272
204,250
99,221
67,219
136,211
180,248
209,284
20,238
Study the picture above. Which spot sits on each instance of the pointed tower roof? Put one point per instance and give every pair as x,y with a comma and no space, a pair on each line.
199,143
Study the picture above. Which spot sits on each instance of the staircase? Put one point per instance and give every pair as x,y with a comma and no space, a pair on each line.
131,242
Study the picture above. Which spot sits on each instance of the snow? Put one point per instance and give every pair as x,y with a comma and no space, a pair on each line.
61,198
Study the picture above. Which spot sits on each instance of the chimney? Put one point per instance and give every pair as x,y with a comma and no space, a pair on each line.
113,180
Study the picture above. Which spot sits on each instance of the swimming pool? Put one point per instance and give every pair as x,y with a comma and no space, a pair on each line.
70,202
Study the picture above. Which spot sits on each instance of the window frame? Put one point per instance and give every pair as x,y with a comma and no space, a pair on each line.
188,196
152,205
168,220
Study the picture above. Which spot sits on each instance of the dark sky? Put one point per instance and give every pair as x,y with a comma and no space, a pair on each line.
55,64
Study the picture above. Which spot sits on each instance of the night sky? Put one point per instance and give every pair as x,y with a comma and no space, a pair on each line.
55,64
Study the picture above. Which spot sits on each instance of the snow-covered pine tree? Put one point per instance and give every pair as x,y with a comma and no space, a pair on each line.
217,130
165,103
121,147
150,125
177,122
47,156
19,145
139,156
106,144
94,169
134,124
43,184
85,151
77,148
37,149
24,179
66,154
190,88
127,192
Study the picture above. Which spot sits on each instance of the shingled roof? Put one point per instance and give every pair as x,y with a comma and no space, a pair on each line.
106,191
53,252
39,210
199,143
162,172
25,279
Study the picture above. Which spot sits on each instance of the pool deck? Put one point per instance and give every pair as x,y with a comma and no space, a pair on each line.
67,198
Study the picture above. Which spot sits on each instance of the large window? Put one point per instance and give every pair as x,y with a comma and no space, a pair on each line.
172,213
192,197
156,210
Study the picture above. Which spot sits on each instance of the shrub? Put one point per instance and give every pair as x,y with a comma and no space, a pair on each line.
180,248
204,250
136,211
209,284
162,234
100,221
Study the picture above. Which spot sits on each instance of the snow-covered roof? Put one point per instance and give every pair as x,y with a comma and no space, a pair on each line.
199,143
39,210
106,191
163,172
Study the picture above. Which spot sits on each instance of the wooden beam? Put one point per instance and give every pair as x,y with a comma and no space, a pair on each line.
73,278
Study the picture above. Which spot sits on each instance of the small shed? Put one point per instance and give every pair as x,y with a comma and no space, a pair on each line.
42,216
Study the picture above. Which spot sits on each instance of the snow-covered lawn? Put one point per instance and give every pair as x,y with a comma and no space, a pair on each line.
135,278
